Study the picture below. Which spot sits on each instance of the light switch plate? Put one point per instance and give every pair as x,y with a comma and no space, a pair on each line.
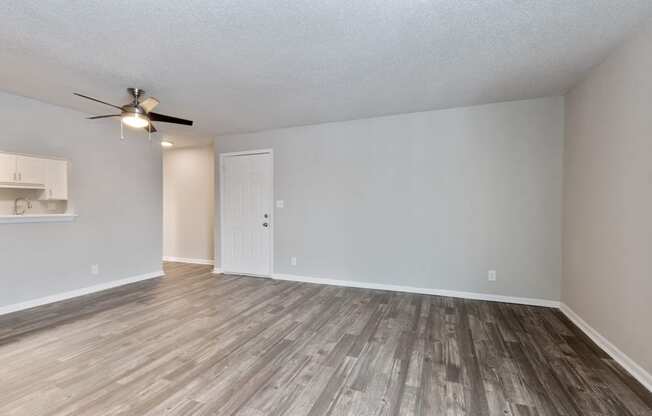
280,203
492,275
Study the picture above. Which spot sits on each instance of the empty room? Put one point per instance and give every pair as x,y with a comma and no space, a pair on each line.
305,208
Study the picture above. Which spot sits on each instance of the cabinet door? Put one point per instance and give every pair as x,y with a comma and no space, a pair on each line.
31,170
7,168
57,180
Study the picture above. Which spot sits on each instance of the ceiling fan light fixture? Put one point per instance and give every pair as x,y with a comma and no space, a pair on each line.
167,144
138,114
135,120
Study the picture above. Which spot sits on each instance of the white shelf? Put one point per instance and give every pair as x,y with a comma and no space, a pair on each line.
21,186
28,218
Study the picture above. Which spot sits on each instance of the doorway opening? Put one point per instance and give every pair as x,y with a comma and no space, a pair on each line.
189,204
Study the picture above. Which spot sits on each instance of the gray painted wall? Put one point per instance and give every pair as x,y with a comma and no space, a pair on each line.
608,199
115,188
431,200
189,202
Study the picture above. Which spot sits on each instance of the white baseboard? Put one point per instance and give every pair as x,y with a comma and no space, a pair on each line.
185,260
424,291
218,270
78,292
638,372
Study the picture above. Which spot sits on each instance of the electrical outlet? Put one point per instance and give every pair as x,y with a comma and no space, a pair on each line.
492,275
293,261
95,269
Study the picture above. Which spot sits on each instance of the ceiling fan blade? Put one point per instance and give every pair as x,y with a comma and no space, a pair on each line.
149,104
168,119
151,125
96,100
106,116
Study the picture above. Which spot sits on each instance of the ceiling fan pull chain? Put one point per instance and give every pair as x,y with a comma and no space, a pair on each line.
149,131
122,132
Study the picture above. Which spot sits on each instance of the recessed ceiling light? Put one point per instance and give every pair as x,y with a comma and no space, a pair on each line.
166,143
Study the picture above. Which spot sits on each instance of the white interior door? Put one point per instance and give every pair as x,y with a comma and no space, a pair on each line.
247,183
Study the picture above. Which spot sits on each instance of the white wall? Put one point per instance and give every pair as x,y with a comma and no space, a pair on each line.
115,187
608,199
430,200
189,203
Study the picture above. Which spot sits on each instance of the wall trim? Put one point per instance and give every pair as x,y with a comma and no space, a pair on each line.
186,260
30,218
419,290
218,270
638,372
78,292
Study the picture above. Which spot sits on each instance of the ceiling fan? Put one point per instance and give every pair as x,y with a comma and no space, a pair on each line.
138,114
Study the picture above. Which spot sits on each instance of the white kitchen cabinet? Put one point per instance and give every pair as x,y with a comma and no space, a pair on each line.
7,168
56,180
31,170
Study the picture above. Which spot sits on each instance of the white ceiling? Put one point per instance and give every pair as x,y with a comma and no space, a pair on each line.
234,65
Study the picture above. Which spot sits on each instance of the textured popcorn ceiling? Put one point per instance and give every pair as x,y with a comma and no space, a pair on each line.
249,65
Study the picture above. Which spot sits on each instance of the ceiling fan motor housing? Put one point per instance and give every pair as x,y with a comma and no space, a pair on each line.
133,109
136,93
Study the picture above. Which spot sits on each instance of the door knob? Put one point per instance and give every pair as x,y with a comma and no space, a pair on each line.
265,225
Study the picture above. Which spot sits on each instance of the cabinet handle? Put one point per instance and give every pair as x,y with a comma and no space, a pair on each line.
20,176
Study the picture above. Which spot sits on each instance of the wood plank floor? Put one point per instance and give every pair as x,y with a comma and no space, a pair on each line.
197,344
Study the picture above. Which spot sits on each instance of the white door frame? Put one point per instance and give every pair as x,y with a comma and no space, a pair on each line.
271,204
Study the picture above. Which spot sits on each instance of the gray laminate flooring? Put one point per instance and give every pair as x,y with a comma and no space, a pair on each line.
198,344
